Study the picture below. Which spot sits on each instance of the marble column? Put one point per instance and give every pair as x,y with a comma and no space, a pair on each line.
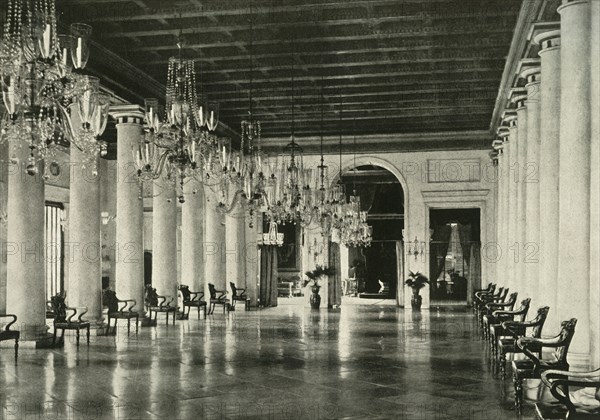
234,246
574,171
164,238
214,242
130,210
508,252
252,256
503,203
192,237
517,248
549,161
595,187
531,185
24,247
85,260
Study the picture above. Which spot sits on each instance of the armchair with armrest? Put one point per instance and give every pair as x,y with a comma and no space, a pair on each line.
516,330
487,317
192,299
120,309
489,289
237,294
157,303
496,330
8,335
534,366
64,321
559,383
217,297
484,299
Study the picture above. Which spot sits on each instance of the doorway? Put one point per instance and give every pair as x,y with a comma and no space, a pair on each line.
455,259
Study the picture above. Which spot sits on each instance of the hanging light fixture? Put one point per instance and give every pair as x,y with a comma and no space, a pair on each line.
41,77
292,197
176,142
244,179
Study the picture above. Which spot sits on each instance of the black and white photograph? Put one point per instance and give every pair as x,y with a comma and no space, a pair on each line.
300,209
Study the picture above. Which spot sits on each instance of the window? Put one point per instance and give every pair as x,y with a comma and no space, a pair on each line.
54,240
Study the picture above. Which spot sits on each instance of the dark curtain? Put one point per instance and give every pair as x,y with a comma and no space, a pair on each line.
268,276
439,245
464,235
335,281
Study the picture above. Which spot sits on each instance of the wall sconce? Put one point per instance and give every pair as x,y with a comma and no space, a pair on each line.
415,248
105,217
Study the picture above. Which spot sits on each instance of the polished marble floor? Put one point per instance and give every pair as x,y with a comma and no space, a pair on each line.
359,362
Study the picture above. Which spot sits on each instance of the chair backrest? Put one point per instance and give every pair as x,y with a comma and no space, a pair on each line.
539,321
512,299
503,294
523,309
59,308
151,297
233,289
498,292
492,287
565,337
212,291
109,298
185,292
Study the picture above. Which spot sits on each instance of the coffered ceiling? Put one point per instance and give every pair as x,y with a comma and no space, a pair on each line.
397,66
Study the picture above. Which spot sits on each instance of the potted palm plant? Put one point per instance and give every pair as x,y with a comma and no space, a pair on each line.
313,277
416,281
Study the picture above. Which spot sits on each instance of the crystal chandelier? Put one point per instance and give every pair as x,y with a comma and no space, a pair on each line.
292,196
354,230
243,179
41,78
178,140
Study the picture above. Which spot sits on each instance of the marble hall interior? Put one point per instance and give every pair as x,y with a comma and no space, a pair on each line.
300,209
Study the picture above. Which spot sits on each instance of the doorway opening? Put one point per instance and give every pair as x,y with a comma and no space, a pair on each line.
455,258
373,271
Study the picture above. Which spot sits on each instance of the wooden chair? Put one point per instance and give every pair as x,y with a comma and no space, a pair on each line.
560,382
235,297
487,299
217,299
63,322
481,298
157,303
8,335
487,317
496,330
489,289
120,309
534,366
192,299
516,330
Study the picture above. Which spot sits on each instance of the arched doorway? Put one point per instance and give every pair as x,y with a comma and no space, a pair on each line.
373,272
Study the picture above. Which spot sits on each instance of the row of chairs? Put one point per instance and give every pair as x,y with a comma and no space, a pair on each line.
70,318
507,331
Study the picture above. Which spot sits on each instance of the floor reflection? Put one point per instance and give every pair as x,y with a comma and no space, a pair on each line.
281,363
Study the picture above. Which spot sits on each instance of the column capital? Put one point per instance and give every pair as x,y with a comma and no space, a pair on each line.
518,96
503,132
529,69
509,116
567,3
548,39
129,113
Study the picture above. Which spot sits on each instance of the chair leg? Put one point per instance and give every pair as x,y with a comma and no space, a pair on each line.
174,312
77,336
198,307
137,321
54,338
518,385
87,333
16,349
502,361
128,326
